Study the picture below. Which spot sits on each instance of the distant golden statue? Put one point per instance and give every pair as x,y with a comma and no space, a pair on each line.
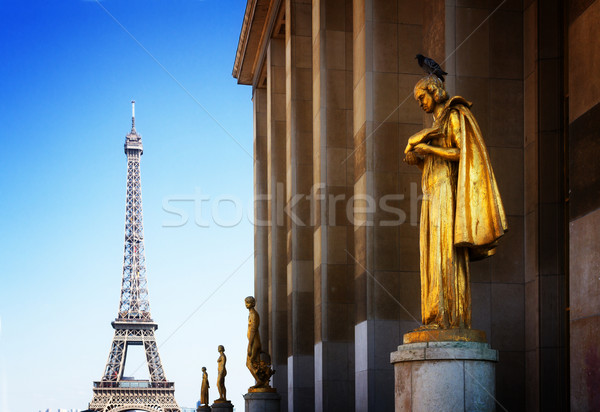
221,376
204,388
257,361
462,216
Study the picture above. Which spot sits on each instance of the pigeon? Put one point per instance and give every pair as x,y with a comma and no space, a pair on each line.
430,66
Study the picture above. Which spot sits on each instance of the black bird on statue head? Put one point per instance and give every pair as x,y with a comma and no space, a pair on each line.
430,66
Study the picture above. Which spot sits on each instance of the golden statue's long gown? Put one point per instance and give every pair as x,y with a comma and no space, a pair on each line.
462,218
204,389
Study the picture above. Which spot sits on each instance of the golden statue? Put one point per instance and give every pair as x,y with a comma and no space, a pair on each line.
462,216
257,361
221,376
204,388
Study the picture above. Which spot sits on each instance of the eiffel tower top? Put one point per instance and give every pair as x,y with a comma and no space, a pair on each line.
133,141
134,305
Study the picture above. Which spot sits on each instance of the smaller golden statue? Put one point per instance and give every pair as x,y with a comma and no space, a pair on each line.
204,388
257,361
221,376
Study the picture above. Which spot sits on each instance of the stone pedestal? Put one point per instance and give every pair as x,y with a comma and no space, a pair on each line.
444,376
203,408
221,406
262,401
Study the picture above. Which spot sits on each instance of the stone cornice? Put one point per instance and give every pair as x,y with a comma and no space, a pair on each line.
258,21
243,41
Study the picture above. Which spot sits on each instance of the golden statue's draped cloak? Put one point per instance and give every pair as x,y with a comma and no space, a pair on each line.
480,219
462,217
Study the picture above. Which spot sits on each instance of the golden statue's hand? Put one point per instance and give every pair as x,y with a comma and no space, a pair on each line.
411,159
415,139
422,149
420,137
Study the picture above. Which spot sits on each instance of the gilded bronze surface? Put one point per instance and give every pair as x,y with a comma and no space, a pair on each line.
253,389
204,388
462,216
444,335
222,372
257,361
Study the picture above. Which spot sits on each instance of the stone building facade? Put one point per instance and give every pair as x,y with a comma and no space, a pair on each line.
336,236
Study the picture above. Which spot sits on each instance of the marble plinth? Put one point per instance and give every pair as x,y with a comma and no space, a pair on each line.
444,376
222,406
262,401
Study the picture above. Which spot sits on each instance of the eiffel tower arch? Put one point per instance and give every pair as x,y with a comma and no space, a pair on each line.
134,324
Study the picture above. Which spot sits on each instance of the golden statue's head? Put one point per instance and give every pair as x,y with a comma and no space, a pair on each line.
429,92
221,348
250,302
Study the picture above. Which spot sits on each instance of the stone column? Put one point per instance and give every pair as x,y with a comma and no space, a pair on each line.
531,207
583,166
261,206
484,51
552,281
333,188
386,37
298,110
276,152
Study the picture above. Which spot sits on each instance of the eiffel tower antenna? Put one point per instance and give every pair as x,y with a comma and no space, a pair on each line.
133,115
133,324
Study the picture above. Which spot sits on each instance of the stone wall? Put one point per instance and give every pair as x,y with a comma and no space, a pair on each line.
584,203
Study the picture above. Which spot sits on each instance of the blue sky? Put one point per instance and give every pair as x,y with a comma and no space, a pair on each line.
68,72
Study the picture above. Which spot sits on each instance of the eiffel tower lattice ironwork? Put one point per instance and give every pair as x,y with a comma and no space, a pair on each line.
133,325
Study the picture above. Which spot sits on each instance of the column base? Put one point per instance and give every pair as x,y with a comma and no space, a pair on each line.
262,401
449,376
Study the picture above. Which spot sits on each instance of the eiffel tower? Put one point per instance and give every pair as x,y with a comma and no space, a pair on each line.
133,325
